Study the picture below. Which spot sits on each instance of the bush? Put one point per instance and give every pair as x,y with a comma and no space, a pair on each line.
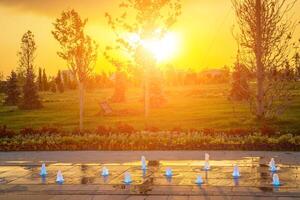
4,132
124,128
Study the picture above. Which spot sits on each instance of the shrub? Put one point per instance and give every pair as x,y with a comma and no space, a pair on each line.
29,131
124,128
267,130
152,129
4,132
103,130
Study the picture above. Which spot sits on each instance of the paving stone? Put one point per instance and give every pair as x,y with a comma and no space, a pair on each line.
60,197
157,197
136,198
25,197
80,197
178,198
101,197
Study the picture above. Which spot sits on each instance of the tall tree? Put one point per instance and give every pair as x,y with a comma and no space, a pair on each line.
77,49
26,56
59,82
297,63
141,21
12,90
30,97
265,34
40,80
45,81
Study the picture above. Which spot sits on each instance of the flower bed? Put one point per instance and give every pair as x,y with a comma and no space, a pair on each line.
48,138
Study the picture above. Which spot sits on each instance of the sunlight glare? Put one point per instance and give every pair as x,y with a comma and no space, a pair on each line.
163,49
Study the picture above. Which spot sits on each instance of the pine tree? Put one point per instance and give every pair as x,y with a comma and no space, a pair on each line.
12,90
45,81
297,64
52,85
30,99
240,89
59,83
40,80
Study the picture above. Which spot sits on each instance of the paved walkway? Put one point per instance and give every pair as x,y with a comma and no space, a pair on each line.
20,179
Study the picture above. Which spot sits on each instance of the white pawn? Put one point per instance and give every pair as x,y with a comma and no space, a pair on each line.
59,177
144,163
199,180
236,172
43,170
105,171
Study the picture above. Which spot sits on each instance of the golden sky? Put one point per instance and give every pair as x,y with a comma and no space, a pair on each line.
204,31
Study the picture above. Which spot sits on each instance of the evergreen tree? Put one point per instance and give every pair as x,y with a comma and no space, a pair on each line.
30,99
297,64
45,81
12,90
40,81
59,83
52,86
240,89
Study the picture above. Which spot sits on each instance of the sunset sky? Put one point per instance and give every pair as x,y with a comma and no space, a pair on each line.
204,31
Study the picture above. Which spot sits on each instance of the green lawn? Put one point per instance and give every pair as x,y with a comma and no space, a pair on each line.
187,107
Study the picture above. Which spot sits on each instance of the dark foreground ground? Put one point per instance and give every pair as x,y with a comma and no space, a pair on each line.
19,175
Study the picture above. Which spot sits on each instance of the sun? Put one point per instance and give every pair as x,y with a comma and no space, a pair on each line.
163,49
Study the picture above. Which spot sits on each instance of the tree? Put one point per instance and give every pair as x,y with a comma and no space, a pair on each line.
59,82
141,21
26,56
77,49
240,89
265,35
30,97
12,90
297,63
45,81
40,80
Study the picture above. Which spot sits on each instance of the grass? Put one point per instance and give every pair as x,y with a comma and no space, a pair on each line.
187,107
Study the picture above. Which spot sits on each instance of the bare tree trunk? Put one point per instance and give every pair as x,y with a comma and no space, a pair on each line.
81,105
259,65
